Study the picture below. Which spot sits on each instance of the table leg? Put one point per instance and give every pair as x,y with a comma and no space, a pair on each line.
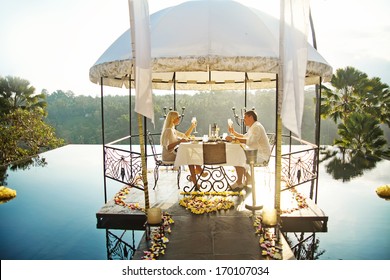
216,180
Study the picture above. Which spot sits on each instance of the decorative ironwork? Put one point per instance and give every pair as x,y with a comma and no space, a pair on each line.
216,179
159,163
297,167
305,246
117,248
123,166
170,109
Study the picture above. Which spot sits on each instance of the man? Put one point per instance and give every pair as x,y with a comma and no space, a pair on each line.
255,139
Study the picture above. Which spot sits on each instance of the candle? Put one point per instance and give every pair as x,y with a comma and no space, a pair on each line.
269,216
154,216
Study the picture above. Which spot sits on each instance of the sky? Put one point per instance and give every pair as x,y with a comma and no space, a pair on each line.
54,43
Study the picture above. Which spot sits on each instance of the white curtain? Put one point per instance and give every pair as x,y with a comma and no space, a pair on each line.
294,20
140,25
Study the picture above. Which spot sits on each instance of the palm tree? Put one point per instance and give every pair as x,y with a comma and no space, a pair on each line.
375,100
23,132
343,100
362,134
359,105
18,93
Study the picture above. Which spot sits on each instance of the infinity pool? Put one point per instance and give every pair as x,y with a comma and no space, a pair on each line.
53,215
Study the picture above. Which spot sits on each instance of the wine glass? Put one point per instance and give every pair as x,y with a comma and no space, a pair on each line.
230,123
194,122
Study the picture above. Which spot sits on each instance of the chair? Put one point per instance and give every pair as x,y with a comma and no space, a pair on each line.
159,162
271,140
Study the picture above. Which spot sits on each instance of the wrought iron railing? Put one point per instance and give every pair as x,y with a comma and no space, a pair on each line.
305,246
118,248
299,167
123,166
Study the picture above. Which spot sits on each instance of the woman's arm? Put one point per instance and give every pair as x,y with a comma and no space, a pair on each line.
171,146
171,139
190,129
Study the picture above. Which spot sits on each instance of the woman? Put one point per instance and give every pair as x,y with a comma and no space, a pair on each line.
171,138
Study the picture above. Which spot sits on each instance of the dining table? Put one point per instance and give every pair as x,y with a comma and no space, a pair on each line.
213,156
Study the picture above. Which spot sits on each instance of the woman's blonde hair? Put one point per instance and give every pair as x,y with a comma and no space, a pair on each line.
169,119
168,123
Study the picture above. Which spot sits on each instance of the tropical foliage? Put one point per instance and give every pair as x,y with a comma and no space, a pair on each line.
77,119
17,93
359,105
362,134
345,165
23,132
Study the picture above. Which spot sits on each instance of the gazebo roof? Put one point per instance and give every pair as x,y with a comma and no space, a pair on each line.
207,44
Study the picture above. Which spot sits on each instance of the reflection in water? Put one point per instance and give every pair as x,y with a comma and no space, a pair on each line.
21,165
117,246
305,246
32,225
345,165
342,165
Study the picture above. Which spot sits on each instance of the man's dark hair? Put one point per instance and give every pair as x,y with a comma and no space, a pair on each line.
252,113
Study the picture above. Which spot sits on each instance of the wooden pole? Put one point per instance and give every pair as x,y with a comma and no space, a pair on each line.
140,118
279,100
143,159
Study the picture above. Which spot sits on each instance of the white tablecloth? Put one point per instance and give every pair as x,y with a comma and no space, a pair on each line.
192,154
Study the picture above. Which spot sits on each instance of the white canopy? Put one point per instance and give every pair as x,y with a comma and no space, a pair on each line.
207,44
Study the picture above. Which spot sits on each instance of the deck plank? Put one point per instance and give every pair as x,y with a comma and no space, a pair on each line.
309,219
223,235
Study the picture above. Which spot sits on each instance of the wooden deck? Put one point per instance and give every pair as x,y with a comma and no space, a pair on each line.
227,234
310,219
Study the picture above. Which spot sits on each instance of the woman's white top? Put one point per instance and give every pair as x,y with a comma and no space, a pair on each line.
170,135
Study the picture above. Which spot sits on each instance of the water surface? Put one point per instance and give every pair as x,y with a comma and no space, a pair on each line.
53,215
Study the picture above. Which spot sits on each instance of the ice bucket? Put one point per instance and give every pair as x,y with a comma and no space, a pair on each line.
251,156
